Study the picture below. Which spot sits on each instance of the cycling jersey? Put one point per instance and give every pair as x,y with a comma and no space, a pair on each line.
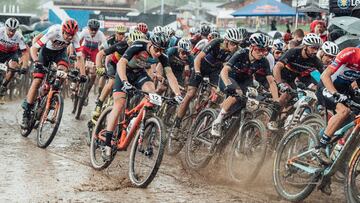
53,39
111,40
177,64
243,70
297,66
116,51
271,60
346,67
215,54
11,45
173,41
92,42
139,58
195,39
199,46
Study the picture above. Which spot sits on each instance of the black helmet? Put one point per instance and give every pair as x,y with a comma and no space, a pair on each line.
205,29
93,24
159,40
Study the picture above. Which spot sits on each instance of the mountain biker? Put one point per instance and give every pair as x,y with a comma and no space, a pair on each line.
204,31
115,52
131,72
334,90
328,52
278,48
143,27
238,74
295,63
12,45
118,36
52,45
208,63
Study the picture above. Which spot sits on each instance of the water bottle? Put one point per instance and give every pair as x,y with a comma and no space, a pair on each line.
336,151
130,125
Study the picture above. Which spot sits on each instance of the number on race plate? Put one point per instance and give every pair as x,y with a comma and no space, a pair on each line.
3,67
61,74
155,99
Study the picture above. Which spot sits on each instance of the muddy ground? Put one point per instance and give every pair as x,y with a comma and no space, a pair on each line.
62,172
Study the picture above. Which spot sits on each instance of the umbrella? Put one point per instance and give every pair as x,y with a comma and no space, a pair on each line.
347,41
350,24
41,26
313,7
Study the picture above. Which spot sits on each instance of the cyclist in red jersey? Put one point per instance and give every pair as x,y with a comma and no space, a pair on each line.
338,83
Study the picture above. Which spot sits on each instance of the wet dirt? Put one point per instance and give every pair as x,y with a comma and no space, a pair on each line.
62,172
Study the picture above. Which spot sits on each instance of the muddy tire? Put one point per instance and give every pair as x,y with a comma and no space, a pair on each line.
58,104
145,148
200,141
82,97
352,184
96,160
248,150
285,176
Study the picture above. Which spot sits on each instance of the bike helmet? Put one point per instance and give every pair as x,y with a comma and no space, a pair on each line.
184,44
279,45
142,27
135,35
168,31
120,29
214,35
70,27
243,31
233,35
312,39
260,40
159,40
93,24
205,29
179,33
158,29
194,30
330,48
12,23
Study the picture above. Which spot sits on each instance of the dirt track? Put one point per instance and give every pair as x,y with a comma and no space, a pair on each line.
62,172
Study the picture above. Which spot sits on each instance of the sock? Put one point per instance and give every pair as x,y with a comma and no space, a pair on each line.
324,140
109,135
220,116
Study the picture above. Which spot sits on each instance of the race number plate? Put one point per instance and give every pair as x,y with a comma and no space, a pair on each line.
155,99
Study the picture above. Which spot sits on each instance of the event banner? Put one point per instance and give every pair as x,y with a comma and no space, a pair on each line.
342,7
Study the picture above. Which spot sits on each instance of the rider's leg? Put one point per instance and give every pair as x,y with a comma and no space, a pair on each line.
276,109
190,94
104,93
13,65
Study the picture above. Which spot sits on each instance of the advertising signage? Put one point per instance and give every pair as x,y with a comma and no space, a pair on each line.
342,7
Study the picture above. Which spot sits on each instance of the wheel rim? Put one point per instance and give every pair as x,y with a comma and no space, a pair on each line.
49,121
98,144
293,180
355,181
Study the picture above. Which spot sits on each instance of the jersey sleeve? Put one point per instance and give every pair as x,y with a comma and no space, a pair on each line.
50,34
288,56
119,47
234,59
76,44
103,40
214,44
134,49
342,58
21,42
170,52
164,60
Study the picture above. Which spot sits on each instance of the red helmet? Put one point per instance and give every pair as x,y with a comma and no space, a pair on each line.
70,26
142,27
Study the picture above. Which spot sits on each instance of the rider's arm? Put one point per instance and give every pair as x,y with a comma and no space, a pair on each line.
326,79
272,87
224,74
99,57
121,68
173,83
37,37
197,61
277,71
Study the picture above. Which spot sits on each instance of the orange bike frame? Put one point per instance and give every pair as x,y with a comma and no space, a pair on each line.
50,94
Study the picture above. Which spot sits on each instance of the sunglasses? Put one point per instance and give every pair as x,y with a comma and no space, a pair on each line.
261,50
94,30
314,47
278,52
158,50
120,33
233,43
12,30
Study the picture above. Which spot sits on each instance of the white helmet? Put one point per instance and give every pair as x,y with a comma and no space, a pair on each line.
168,31
158,29
233,35
312,39
184,44
279,44
260,40
330,48
12,23
179,33
194,30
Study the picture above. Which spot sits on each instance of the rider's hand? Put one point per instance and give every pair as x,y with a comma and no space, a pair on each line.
283,87
340,98
230,90
179,99
357,92
23,71
38,65
83,78
100,71
127,86
198,77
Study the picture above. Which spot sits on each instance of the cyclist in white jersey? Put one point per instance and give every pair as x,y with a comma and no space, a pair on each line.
52,46
11,44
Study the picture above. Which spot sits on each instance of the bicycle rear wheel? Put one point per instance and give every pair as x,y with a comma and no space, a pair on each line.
82,98
174,145
96,144
147,152
352,183
248,151
50,121
293,183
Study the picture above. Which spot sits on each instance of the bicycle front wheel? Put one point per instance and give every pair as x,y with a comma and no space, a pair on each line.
147,152
50,121
291,182
352,184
